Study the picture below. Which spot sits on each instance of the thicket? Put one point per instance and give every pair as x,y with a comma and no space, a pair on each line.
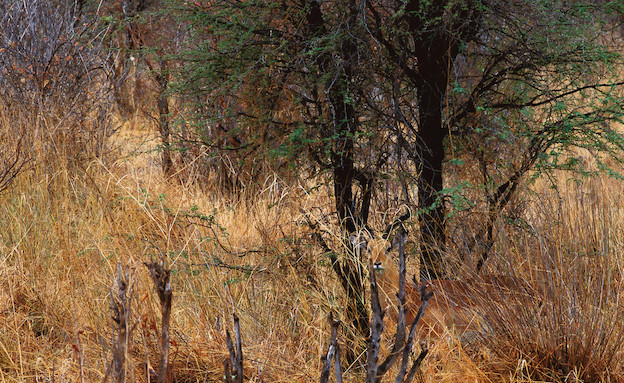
314,121
441,108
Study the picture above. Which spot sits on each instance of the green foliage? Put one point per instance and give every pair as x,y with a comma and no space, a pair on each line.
547,88
531,88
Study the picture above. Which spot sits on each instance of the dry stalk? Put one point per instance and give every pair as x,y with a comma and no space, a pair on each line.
332,353
161,277
121,298
80,355
236,355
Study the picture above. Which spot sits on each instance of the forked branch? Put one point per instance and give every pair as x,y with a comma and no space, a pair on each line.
234,366
333,353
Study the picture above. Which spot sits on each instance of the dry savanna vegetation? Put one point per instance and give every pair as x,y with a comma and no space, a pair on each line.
171,214
66,229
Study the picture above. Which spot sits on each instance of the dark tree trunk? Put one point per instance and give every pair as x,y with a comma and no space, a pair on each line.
436,47
343,124
163,119
431,152
431,81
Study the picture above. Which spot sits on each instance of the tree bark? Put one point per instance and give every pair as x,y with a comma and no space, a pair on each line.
435,47
163,118
343,124
430,148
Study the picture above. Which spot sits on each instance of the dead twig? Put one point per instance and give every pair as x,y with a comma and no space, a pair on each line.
332,353
424,298
12,166
399,340
236,355
161,277
121,298
217,262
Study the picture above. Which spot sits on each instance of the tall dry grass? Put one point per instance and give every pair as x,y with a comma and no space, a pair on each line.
64,228
569,251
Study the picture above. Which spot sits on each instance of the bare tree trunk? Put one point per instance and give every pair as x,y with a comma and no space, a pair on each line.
430,183
436,50
344,126
164,119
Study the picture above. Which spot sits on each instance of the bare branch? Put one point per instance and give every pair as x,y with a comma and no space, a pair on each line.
161,277
424,298
332,353
121,295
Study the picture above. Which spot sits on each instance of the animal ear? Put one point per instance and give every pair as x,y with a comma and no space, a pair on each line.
358,241
394,243
354,240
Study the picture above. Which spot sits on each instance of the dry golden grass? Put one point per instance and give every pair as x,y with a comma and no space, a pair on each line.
64,229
